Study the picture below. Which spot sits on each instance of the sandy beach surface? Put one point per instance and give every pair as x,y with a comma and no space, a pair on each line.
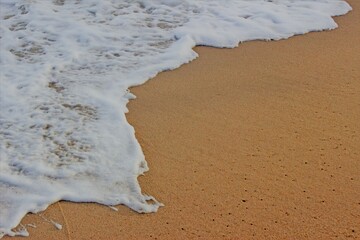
257,142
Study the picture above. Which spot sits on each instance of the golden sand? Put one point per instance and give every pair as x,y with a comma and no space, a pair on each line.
258,142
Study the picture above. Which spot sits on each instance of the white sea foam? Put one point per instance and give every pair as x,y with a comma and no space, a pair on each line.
65,70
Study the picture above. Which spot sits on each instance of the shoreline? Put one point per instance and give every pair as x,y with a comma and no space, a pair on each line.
261,141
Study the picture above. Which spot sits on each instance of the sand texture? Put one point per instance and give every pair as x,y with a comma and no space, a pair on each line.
258,142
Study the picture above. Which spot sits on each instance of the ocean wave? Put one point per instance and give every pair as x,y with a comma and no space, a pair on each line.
66,67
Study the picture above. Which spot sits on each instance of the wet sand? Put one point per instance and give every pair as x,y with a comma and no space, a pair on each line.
257,142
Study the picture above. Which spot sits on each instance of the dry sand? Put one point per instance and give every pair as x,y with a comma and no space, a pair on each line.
258,142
